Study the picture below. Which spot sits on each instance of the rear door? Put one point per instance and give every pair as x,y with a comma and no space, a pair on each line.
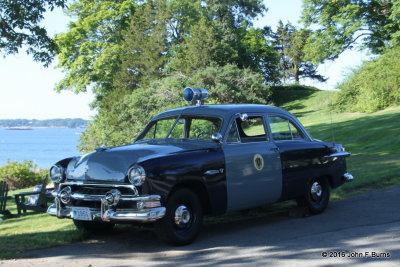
300,156
253,167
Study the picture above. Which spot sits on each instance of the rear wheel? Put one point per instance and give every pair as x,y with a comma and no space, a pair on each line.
317,197
183,218
94,227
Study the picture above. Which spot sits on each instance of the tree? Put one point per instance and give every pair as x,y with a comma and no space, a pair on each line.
19,26
258,54
93,50
229,17
344,24
198,50
131,53
145,46
291,43
90,52
183,15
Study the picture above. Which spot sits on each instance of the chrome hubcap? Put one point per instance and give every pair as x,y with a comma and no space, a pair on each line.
182,216
316,191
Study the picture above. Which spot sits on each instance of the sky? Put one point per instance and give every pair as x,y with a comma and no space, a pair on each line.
27,88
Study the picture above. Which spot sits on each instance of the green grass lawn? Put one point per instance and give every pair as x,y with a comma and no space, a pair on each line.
373,139
33,231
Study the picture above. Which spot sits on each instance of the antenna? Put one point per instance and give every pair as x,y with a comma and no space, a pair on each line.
330,109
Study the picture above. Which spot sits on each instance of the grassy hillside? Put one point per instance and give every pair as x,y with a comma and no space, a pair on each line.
373,139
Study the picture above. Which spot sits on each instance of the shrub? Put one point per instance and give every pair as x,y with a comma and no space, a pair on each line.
232,85
21,174
373,86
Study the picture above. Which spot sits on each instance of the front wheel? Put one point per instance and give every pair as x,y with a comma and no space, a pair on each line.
183,218
317,197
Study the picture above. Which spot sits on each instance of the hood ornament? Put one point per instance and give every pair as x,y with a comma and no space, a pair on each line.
86,170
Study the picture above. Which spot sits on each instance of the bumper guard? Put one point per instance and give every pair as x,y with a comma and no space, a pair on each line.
148,207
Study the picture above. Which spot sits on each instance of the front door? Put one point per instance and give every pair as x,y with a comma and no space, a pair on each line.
253,167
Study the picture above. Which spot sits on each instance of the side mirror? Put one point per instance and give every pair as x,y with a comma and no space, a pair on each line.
217,137
244,116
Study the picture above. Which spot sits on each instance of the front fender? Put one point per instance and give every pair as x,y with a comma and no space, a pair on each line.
188,168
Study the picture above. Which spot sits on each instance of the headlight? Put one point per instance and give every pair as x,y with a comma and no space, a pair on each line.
57,173
136,175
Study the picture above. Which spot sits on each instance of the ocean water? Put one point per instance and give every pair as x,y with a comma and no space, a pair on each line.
45,146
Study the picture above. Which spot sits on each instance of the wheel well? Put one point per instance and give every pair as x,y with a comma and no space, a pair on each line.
329,178
200,190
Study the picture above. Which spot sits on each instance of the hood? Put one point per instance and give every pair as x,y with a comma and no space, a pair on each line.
112,164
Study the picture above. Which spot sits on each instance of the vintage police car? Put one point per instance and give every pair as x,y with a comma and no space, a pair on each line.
197,160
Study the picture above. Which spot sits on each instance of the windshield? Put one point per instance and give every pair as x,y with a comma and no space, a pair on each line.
183,127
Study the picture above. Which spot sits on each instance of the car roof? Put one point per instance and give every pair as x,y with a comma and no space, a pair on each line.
223,110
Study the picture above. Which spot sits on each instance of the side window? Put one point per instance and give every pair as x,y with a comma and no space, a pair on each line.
252,129
203,128
283,129
160,128
178,131
233,135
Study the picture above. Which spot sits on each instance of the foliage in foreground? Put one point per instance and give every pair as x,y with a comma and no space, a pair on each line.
20,27
125,113
21,174
344,24
373,86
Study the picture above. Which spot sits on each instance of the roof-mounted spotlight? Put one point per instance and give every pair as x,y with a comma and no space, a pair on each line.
195,94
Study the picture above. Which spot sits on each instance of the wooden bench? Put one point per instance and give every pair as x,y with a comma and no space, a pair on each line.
3,199
36,201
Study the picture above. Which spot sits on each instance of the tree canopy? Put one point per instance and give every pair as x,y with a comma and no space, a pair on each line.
20,26
290,43
344,24
95,46
124,50
90,51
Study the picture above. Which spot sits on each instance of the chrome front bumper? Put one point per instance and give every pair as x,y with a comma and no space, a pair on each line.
148,208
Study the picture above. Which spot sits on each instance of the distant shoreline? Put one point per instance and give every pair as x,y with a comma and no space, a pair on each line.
19,124
23,128
19,128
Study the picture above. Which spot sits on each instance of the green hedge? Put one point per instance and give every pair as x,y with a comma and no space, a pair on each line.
20,175
374,86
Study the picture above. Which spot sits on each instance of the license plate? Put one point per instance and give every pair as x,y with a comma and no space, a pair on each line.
81,213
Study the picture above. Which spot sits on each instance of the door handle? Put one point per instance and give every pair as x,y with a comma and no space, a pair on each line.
275,149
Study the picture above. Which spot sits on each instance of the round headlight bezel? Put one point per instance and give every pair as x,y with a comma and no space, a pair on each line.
56,173
137,175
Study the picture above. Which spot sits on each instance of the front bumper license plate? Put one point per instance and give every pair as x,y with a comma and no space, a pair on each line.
81,213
